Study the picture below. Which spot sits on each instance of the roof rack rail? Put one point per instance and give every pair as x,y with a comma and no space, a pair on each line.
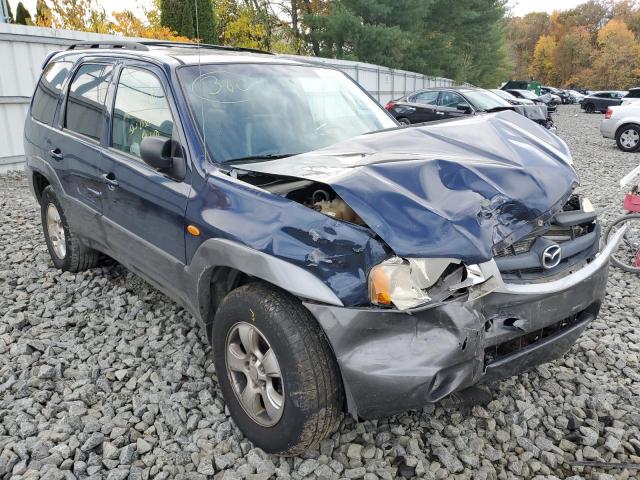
157,43
124,45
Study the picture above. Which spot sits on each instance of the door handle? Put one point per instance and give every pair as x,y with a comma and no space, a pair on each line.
110,180
56,154
439,113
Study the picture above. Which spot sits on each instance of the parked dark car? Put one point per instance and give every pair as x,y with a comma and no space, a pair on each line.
453,102
600,101
546,99
564,96
335,259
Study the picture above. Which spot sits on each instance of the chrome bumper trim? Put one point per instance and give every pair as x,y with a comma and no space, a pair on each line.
490,269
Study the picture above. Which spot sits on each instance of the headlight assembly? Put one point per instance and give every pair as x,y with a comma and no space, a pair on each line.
412,282
404,283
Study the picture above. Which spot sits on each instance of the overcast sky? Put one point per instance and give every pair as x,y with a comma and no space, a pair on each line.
518,7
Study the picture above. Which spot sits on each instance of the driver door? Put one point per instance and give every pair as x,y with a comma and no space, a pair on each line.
452,105
145,208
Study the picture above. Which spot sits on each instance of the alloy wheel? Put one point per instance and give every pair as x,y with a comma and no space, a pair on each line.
255,374
55,229
629,138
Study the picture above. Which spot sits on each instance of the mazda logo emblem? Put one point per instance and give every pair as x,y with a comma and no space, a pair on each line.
551,256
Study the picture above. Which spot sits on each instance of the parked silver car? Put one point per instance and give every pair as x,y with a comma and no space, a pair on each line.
622,123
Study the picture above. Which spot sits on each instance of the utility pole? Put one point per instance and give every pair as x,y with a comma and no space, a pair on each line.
4,11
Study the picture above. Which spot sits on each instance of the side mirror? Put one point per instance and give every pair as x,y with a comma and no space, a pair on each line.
165,155
464,107
157,152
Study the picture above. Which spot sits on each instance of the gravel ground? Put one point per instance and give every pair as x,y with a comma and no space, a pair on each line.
101,376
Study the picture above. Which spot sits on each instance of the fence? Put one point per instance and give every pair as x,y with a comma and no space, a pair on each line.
23,49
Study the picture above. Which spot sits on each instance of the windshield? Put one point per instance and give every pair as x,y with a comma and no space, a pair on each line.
484,100
266,110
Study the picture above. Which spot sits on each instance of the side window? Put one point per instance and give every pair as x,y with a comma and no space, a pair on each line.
141,110
452,99
85,105
426,98
45,98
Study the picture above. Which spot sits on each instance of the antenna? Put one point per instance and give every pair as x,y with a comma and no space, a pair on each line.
204,133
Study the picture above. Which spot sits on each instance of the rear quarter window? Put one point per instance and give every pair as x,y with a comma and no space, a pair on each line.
48,91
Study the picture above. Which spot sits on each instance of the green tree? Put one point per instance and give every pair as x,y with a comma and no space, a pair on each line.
461,40
23,17
180,16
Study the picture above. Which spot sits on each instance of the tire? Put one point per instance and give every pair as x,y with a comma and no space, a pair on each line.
624,219
309,385
589,108
404,121
65,249
628,138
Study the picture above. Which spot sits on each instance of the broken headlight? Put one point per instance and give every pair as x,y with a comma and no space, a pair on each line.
412,282
405,282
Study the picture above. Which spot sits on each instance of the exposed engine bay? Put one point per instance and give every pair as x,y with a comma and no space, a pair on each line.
314,195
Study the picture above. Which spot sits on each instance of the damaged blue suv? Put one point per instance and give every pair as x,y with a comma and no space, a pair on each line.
337,260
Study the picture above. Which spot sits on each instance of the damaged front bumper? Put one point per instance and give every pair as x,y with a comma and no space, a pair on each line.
392,361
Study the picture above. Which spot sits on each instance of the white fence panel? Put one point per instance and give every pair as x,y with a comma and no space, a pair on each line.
23,49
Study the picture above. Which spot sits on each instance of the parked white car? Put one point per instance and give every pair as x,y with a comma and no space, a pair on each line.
622,123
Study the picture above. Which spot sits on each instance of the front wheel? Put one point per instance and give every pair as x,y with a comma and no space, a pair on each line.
628,138
627,255
276,369
404,121
589,108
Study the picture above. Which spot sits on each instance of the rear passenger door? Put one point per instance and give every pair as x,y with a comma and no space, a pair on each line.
425,104
144,211
77,146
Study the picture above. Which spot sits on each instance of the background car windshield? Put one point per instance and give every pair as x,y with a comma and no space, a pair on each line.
503,94
484,100
247,110
528,94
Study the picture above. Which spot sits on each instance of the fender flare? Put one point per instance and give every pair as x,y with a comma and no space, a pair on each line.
219,252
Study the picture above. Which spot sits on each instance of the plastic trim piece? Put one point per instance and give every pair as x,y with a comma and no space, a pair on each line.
490,268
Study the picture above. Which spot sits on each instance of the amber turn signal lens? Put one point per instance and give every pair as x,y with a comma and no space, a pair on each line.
379,287
193,230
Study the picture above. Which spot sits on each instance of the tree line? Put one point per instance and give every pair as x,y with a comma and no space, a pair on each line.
595,45
460,40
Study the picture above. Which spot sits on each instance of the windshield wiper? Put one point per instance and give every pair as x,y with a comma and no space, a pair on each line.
498,109
260,158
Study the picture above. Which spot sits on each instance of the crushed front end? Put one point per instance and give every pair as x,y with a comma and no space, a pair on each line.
520,309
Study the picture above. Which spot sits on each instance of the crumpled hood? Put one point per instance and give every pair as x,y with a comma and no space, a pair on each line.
449,189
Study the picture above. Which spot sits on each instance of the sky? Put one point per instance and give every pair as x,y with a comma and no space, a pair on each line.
518,7
522,7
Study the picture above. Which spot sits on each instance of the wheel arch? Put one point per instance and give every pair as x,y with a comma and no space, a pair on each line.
38,183
220,265
626,124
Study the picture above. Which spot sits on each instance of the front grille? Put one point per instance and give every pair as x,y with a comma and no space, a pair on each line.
575,231
501,350
516,248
